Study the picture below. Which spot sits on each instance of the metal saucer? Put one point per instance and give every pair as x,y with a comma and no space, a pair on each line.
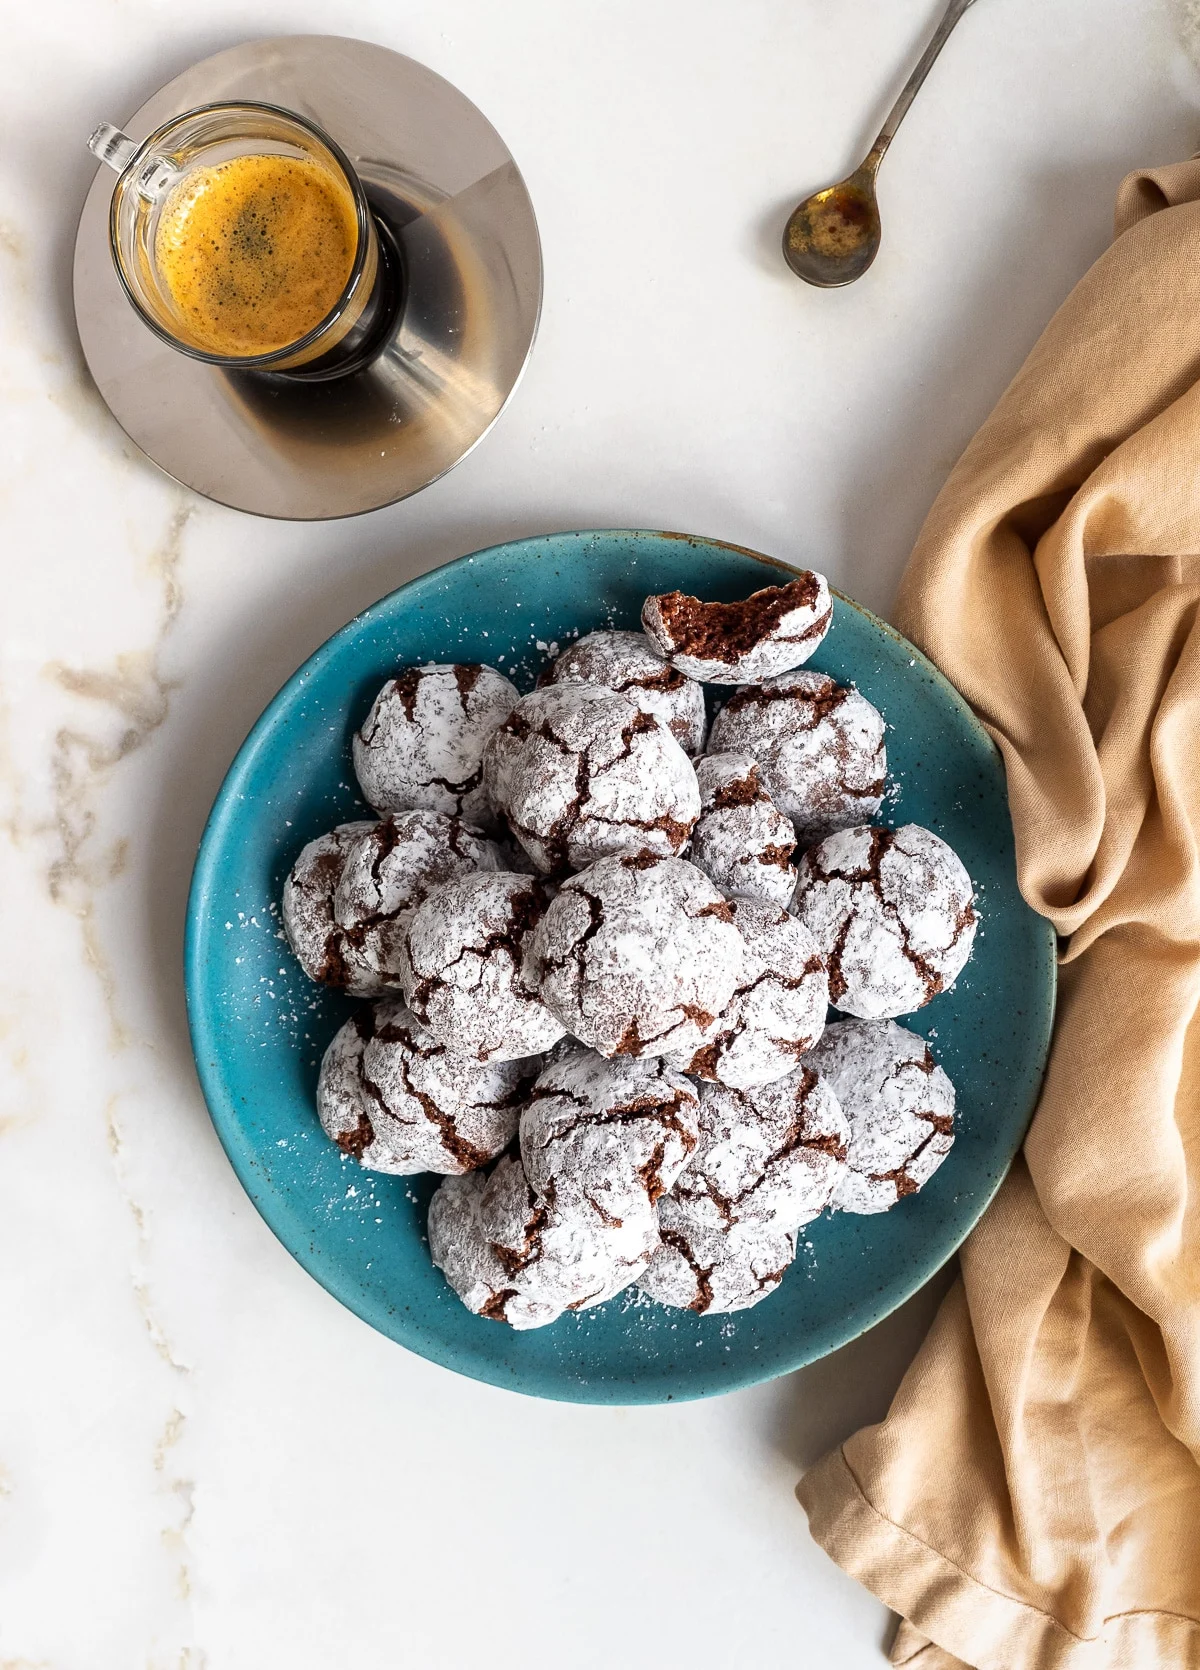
440,178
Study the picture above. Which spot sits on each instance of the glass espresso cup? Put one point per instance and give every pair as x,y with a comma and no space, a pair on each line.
242,236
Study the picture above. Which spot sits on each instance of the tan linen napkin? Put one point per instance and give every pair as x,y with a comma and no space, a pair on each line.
1032,1501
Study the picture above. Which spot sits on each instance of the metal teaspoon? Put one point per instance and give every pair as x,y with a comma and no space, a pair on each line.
833,236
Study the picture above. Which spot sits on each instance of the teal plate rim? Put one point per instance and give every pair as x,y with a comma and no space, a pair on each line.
300,1218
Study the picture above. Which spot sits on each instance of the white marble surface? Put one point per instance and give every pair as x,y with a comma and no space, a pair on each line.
204,1461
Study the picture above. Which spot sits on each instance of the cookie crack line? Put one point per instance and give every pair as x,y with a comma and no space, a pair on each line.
818,706
702,1272
724,632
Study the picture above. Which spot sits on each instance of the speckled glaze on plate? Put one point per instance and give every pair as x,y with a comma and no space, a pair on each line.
259,1028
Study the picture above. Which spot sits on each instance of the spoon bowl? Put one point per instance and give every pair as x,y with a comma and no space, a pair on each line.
833,236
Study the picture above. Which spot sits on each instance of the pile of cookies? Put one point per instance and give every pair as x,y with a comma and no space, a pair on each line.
599,944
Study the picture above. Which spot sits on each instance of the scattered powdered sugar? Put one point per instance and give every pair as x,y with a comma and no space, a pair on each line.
397,1100
422,742
777,1011
638,956
607,1137
819,745
741,643
514,1258
742,840
462,967
900,1107
580,772
892,911
626,661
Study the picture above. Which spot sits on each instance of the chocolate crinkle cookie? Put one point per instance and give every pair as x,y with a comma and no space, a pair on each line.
396,1099
608,1137
772,1156
638,956
462,967
777,1011
422,742
348,898
900,1106
818,744
513,1257
627,662
700,1268
580,772
742,840
893,912
740,643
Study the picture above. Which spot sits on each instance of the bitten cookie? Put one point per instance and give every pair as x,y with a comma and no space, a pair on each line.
740,643
777,1011
514,1258
422,742
819,746
397,1100
772,1156
900,1107
892,911
638,956
580,772
699,1268
625,661
608,1136
320,945
462,967
742,840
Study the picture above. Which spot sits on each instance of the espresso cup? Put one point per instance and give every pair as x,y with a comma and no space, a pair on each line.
242,236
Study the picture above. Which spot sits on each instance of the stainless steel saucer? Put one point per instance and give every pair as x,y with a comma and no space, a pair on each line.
440,177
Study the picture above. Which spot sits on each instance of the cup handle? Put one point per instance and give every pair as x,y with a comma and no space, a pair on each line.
112,146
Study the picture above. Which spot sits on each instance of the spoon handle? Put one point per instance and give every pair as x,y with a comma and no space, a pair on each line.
913,85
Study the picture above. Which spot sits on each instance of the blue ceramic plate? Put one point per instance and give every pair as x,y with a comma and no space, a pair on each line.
259,1028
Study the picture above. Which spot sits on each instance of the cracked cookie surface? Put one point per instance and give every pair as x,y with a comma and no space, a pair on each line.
608,1137
515,1257
742,840
629,663
777,1011
318,943
772,1156
740,643
580,772
819,745
638,956
462,967
696,1267
900,1105
892,910
422,742
395,1099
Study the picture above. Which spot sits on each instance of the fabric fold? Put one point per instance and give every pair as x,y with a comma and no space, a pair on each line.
1032,1501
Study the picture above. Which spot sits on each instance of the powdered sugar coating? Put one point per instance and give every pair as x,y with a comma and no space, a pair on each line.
638,956
422,742
628,662
819,746
777,1011
462,967
700,1268
580,772
741,643
900,1106
608,1137
323,951
514,1258
387,871
771,1156
742,840
892,910
397,1100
